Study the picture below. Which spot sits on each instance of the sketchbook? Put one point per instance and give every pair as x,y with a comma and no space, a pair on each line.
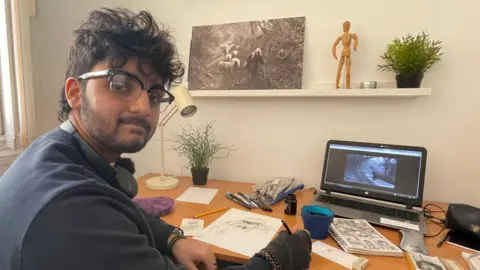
241,231
358,236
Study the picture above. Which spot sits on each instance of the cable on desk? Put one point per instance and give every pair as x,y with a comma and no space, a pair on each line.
441,222
314,190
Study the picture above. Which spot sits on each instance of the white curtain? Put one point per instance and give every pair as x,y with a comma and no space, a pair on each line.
18,93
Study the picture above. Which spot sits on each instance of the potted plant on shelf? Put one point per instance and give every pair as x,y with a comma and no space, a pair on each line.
200,147
410,57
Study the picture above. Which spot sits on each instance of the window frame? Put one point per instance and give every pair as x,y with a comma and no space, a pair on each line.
16,77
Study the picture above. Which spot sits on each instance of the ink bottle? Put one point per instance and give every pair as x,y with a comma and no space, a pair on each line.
291,205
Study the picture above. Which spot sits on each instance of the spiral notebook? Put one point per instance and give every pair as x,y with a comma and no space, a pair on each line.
357,236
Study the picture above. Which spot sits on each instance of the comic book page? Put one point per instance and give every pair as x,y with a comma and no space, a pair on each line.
359,236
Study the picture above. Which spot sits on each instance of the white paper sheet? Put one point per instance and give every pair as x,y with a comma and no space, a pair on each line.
241,231
192,227
198,195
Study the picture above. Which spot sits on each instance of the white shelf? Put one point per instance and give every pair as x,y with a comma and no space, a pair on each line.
380,92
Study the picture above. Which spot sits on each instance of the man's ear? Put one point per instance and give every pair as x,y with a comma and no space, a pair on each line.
73,93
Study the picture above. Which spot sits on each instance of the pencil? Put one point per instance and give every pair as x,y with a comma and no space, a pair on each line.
210,212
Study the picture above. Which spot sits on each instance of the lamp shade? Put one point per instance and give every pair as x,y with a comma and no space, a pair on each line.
184,101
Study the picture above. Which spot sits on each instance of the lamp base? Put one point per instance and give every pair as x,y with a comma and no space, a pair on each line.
162,183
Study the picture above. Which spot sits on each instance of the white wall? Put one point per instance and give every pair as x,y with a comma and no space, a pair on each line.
280,137
51,35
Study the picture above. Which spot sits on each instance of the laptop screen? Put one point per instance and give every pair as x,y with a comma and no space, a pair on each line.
375,169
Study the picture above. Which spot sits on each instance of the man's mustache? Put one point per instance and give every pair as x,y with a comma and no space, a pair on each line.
136,121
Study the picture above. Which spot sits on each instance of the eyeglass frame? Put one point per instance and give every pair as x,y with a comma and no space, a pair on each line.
112,72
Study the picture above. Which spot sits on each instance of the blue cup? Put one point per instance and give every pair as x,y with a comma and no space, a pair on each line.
317,220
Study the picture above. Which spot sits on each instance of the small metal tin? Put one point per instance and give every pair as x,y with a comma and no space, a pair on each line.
368,84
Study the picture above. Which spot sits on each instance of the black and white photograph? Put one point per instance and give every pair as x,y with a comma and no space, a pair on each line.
251,55
371,170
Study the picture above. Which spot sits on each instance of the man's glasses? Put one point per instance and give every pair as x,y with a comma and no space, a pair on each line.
127,86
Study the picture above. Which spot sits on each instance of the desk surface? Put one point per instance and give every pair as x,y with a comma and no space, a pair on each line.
188,210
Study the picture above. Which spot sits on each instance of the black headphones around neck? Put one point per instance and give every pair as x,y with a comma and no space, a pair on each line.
115,175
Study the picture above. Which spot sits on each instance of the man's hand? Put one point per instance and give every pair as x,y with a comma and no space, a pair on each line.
290,251
191,253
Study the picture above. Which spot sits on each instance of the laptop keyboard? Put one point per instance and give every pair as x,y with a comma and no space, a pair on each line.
373,208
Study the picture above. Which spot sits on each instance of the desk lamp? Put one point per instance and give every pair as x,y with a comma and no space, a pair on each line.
183,101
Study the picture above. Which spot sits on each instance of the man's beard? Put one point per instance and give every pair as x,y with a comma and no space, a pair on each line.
95,127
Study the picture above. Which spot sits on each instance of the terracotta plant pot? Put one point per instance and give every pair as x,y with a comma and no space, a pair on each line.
199,176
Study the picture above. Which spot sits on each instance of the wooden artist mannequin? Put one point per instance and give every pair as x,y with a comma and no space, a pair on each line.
346,39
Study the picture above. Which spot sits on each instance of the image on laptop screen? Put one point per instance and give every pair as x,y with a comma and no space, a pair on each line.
389,171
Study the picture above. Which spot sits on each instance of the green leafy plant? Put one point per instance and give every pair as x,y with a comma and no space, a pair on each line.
198,145
411,54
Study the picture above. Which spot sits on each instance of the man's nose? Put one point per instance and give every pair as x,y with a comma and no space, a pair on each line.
142,104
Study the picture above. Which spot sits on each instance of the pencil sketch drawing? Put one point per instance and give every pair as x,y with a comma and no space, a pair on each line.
354,241
241,231
384,245
369,244
241,225
262,54
192,225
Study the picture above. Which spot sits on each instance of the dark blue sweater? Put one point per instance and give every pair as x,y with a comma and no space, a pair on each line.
57,213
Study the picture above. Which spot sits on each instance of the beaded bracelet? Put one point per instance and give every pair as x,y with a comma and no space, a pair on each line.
267,256
174,240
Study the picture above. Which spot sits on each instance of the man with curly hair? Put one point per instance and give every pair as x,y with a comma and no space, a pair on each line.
66,202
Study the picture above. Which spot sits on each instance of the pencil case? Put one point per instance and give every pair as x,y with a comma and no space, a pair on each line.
159,206
283,196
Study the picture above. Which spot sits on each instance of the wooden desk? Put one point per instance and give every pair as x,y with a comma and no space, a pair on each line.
188,210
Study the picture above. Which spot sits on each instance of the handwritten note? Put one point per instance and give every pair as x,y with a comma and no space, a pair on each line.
198,195
192,227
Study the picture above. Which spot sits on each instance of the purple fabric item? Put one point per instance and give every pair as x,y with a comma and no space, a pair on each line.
159,206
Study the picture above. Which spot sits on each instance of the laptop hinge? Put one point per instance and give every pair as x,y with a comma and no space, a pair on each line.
409,206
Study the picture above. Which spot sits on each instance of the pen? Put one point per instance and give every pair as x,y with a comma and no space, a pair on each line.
241,198
247,199
250,198
229,196
210,212
286,227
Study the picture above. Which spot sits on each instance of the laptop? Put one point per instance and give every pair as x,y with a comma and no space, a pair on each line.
380,183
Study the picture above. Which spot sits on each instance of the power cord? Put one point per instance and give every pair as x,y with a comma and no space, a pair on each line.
428,213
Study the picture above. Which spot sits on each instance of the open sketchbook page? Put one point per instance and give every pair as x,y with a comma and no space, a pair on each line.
241,231
358,236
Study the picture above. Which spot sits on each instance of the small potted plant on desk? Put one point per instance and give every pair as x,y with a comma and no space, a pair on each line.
200,147
410,57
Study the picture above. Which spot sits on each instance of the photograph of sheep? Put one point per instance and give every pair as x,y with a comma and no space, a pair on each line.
253,55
